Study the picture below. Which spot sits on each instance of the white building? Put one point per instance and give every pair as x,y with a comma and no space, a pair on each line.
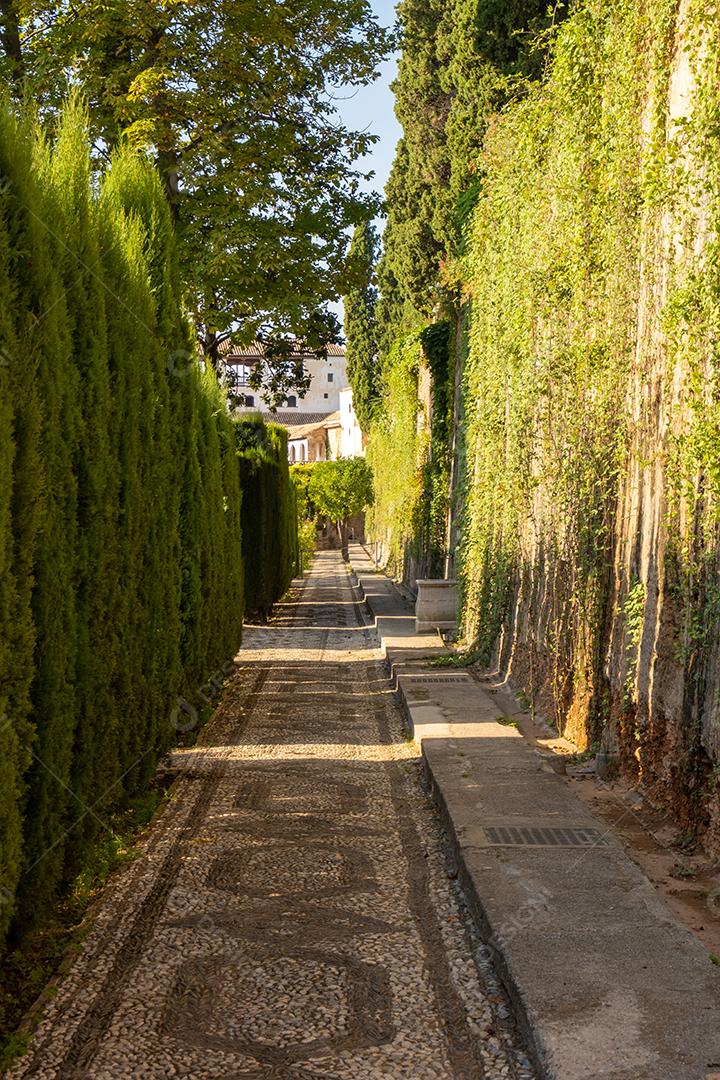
352,443
320,425
327,379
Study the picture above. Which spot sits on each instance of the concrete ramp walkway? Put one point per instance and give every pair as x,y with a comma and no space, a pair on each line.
608,985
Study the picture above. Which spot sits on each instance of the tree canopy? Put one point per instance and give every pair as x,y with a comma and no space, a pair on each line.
233,100
340,490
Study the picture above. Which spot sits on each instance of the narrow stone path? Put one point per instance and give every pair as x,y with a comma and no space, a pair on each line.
291,914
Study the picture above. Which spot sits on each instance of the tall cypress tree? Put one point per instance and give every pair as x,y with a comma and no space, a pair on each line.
149,499
118,472
95,761
461,62
418,209
487,54
12,722
20,434
213,535
128,311
360,324
269,514
233,601
187,440
51,807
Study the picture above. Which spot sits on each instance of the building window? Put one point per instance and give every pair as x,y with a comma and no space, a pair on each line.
237,375
330,376
324,395
292,402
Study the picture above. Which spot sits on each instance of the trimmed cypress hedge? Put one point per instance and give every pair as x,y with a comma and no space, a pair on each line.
269,514
121,557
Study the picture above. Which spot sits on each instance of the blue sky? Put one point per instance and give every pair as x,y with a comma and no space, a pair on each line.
370,108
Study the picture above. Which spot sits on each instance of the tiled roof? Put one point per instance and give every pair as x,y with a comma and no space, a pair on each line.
232,354
226,349
295,418
303,430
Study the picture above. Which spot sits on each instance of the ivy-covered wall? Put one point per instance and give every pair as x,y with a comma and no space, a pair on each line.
590,549
461,62
396,449
409,449
555,202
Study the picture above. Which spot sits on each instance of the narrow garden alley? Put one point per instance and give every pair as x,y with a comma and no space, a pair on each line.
437,282
291,913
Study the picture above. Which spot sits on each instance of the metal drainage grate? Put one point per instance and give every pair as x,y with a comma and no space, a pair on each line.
541,836
438,678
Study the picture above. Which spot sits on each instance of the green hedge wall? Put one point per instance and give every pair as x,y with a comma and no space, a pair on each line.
269,514
121,576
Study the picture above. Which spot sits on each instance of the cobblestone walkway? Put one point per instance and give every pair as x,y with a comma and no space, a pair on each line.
291,913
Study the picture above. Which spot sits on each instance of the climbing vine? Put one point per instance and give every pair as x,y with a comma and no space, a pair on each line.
554,261
586,472
591,555
395,453
409,451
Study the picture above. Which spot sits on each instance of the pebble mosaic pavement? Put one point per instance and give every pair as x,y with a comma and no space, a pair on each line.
291,914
